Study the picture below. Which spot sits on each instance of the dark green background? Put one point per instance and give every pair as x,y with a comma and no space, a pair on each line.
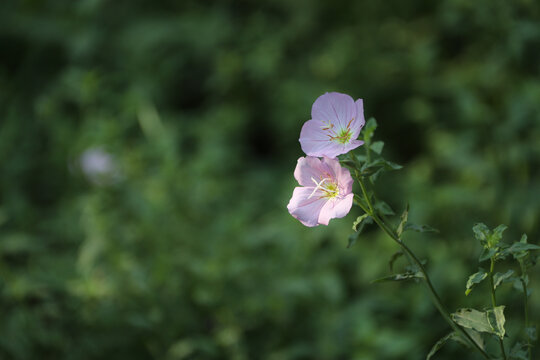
192,255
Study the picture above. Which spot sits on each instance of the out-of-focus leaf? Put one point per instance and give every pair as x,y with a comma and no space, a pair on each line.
383,208
499,278
487,254
419,228
403,221
477,338
378,165
439,344
377,146
481,232
519,247
393,259
531,333
519,352
400,277
474,279
369,129
358,227
497,233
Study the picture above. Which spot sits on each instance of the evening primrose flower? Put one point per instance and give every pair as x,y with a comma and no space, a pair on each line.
325,192
336,121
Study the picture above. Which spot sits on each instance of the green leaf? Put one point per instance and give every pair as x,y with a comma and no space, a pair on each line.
477,338
358,226
369,129
419,228
474,279
496,320
487,254
472,319
378,164
439,344
400,277
519,352
518,247
499,278
518,283
393,259
531,333
377,147
481,232
358,221
383,208
403,221
497,233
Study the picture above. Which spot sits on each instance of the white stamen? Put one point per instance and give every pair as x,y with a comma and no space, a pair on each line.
318,185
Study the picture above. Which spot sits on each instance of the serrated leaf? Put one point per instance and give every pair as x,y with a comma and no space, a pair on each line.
403,221
400,277
377,146
383,208
472,319
419,228
481,232
474,279
499,278
496,320
394,258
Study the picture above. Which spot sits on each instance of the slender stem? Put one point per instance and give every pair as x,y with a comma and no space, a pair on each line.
494,302
526,295
364,191
434,296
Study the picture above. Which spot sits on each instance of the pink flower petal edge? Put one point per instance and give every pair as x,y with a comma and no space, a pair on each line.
336,121
325,192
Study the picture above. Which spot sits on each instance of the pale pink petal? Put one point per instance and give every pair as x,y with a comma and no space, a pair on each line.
334,108
332,165
316,142
336,208
341,174
359,121
308,168
304,208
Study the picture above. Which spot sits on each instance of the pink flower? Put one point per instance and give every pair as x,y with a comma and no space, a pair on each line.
326,191
336,121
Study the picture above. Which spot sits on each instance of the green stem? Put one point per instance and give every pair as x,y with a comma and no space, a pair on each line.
526,294
434,296
494,301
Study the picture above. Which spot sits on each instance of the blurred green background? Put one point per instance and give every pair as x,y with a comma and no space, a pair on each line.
146,160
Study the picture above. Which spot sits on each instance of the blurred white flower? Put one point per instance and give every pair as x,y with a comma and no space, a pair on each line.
99,167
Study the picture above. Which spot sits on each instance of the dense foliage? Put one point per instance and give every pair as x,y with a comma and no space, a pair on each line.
187,251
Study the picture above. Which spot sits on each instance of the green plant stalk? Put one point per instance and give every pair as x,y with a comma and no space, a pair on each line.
526,305
494,301
434,296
